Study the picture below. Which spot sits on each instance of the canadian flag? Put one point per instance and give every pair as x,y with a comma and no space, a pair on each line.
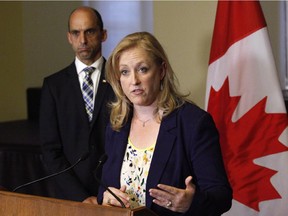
245,99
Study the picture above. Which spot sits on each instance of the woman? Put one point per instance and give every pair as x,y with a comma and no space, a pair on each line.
163,151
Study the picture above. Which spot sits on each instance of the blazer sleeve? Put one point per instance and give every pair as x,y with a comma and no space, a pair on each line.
213,193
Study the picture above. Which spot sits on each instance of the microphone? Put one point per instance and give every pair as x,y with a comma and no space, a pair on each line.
83,157
101,161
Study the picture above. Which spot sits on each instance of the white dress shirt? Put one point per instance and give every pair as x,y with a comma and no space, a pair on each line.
95,76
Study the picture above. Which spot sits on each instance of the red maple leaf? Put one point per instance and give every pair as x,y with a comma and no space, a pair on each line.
253,136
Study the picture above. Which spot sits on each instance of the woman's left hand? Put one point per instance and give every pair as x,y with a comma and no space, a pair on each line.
175,199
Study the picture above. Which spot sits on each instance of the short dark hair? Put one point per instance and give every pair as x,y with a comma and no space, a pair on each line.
98,15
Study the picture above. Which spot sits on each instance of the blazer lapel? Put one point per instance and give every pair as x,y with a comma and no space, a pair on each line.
121,138
164,145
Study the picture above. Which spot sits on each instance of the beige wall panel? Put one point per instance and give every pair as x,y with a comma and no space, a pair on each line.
185,30
12,87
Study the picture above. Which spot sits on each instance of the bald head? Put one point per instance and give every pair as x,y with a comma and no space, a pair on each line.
86,34
94,14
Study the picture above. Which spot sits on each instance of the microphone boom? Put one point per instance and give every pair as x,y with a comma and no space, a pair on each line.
83,157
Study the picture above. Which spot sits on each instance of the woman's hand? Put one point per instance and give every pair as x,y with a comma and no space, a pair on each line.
91,200
109,199
175,199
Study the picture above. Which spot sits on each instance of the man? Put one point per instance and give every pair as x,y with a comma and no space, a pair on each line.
69,124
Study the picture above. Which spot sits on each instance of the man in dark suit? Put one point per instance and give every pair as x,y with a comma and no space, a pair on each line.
66,129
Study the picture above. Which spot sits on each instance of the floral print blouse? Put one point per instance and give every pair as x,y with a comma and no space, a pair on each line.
134,173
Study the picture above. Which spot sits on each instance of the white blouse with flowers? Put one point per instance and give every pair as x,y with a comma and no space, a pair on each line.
134,173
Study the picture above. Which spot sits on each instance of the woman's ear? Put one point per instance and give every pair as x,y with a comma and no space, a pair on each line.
163,70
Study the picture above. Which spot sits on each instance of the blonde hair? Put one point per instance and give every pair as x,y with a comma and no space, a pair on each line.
169,97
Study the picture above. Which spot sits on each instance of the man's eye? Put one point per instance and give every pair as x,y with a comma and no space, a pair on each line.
90,32
74,33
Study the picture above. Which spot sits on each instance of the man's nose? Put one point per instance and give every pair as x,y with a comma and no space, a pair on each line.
82,38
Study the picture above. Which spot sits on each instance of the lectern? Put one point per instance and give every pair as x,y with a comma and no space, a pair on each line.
29,205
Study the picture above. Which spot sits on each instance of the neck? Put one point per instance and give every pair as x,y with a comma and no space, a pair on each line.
143,121
144,115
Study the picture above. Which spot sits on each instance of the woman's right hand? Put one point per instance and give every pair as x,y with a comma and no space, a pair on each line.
109,199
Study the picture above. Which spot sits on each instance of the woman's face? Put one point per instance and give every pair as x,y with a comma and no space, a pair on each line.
140,76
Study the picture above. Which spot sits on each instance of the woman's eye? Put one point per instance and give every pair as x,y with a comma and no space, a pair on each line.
143,69
124,72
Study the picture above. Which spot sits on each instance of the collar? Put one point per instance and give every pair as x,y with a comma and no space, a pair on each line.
80,65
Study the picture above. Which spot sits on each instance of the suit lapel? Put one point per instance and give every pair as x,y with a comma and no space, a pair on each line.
165,142
102,87
76,92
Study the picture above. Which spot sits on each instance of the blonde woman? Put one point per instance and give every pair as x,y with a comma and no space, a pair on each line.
163,151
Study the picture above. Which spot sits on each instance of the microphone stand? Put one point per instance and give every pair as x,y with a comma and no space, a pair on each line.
101,161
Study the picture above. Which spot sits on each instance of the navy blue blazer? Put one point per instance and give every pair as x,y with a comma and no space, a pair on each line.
187,144
66,133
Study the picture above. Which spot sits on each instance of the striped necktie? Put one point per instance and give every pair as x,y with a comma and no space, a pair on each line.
87,91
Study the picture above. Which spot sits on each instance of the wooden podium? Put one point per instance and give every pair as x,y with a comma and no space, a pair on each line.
15,204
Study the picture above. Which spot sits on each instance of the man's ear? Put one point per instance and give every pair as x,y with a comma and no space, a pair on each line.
104,35
69,37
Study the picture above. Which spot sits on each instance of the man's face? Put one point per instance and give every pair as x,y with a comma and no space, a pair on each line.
85,35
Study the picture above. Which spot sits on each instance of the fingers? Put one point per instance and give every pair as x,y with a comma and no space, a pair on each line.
175,199
91,200
168,189
161,199
173,191
109,199
123,188
189,184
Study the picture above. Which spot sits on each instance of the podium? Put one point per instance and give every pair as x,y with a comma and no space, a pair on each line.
29,205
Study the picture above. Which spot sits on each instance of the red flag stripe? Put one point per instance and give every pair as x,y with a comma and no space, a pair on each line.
233,24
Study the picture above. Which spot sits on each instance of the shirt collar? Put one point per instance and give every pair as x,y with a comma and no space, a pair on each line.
80,65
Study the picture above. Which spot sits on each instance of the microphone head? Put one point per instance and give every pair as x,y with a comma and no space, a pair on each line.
102,159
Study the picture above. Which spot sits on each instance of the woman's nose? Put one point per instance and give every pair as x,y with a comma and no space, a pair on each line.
135,78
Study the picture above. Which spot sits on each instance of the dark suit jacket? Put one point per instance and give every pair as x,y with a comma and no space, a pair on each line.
187,144
66,132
